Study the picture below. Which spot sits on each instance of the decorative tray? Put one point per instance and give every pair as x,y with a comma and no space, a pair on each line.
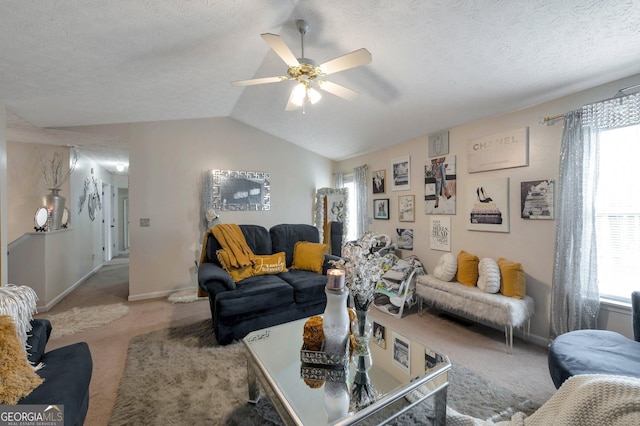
322,358
337,373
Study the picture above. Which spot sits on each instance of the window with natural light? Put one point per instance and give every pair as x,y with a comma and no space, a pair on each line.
352,213
618,213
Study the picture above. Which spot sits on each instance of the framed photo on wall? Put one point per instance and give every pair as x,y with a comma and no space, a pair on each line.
404,238
381,208
488,204
406,208
402,353
440,189
536,199
440,233
379,181
380,335
439,144
401,169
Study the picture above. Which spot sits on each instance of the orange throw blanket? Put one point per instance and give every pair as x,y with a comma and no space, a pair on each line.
232,240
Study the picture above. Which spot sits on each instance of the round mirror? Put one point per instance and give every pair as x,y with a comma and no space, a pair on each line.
65,217
40,218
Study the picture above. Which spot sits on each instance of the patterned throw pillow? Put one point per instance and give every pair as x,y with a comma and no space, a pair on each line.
446,267
270,264
488,275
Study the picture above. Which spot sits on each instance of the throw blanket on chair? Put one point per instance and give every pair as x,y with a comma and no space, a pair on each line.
586,400
232,240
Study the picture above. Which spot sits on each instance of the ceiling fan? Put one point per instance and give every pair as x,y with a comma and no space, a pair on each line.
308,74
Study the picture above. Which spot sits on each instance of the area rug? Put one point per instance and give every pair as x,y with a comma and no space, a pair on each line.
181,375
76,320
185,296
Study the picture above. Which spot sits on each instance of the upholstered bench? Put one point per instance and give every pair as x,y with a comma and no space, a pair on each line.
473,303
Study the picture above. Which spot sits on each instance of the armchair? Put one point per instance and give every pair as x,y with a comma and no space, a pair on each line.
596,351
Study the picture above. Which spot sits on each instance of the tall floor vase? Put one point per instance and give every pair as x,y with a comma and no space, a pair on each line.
54,202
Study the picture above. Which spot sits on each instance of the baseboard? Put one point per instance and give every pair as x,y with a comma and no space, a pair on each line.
57,299
156,294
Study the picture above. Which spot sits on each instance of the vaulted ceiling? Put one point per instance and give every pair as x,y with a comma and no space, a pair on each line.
436,64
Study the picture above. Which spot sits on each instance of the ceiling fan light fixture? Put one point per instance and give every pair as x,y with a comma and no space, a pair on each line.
314,95
298,94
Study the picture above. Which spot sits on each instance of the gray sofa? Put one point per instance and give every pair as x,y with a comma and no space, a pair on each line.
238,308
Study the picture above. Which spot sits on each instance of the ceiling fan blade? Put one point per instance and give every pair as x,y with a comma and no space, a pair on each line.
278,46
344,62
338,90
259,81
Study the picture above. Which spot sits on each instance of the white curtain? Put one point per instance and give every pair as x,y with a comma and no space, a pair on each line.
575,297
362,199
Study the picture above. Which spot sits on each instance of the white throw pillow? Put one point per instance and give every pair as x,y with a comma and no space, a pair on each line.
446,267
488,275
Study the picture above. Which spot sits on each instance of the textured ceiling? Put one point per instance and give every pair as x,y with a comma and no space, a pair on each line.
436,63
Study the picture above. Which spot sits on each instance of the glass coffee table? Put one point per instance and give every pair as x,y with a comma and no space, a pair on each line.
403,372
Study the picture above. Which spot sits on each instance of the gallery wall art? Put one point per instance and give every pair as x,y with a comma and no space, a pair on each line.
440,185
440,233
536,199
406,208
404,238
401,170
488,205
379,178
498,151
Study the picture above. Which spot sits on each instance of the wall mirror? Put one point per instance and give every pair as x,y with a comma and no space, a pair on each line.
230,190
332,206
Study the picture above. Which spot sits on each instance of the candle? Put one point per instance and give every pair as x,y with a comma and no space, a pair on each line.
335,279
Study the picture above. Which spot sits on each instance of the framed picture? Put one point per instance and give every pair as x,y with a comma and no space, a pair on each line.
536,199
489,205
378,181
439,144
401,169
406,208
404,238
402,353
440,185
381,208
380,335
440,233
431,359
498,151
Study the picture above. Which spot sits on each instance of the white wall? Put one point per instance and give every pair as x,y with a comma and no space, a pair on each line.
529,241
166,160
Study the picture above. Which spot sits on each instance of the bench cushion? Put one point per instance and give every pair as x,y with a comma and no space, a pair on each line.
495,308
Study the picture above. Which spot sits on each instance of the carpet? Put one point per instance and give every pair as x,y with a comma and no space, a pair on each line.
76,320
185,296
180,375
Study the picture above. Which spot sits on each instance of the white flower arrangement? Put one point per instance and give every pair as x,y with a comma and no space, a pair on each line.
363,268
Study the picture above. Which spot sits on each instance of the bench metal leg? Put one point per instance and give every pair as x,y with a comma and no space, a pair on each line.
508,335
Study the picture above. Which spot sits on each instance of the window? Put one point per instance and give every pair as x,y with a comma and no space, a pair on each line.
618,212
352,205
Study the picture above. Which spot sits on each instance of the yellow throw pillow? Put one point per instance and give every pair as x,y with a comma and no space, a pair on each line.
512,279
467,268
270,264
308,256
17,377
237,274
